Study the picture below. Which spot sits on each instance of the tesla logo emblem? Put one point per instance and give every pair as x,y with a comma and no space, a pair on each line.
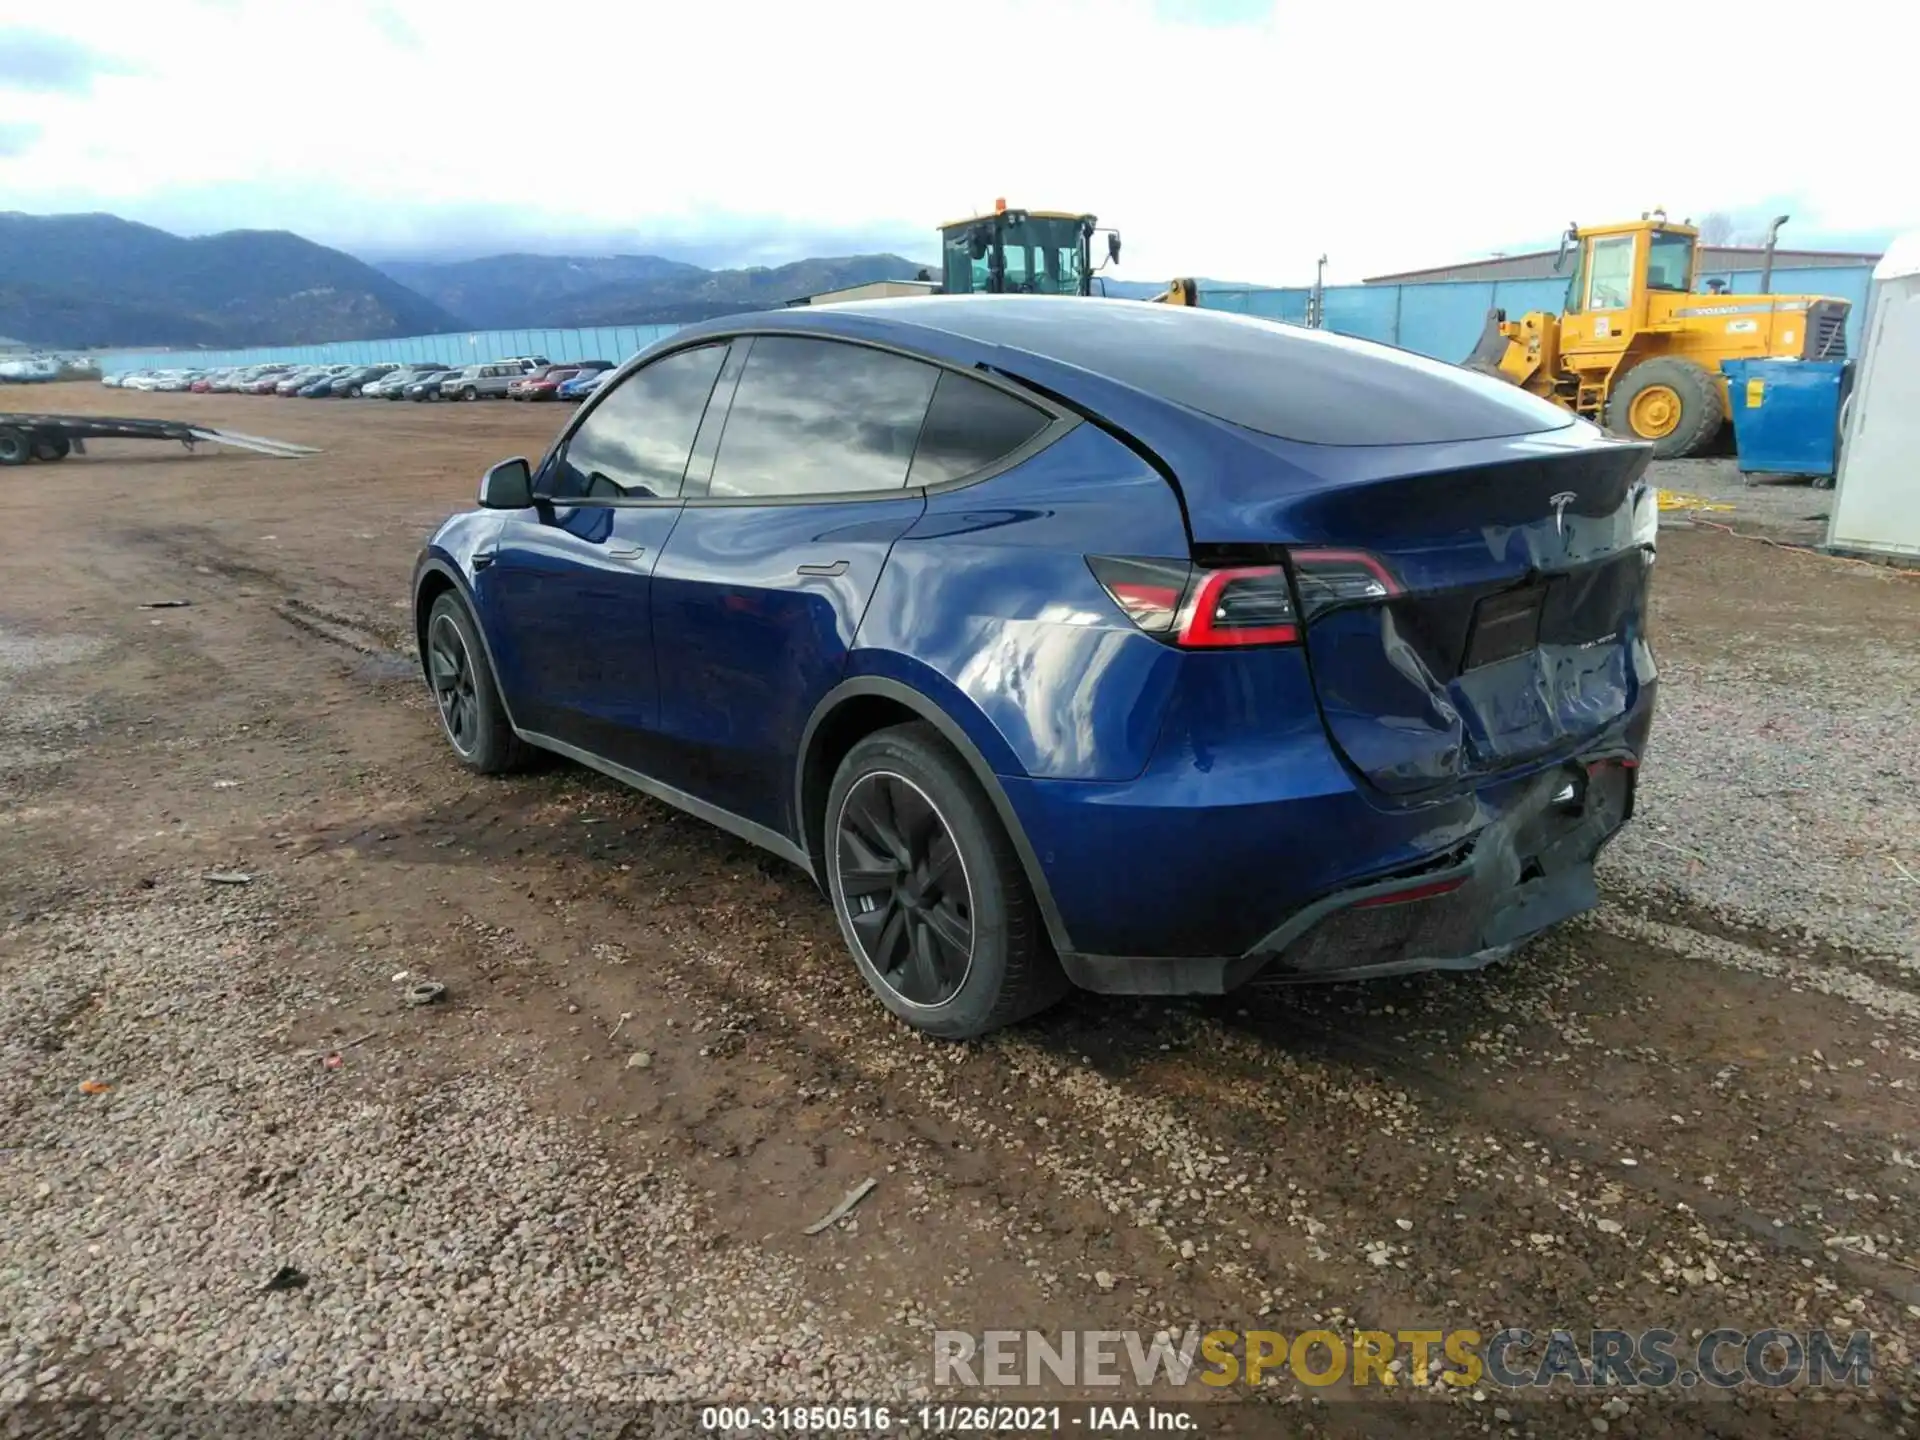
1560,503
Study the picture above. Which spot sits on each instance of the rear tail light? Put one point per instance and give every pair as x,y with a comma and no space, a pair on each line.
1425,890
1203,608
1328,578
1148,591
1251,605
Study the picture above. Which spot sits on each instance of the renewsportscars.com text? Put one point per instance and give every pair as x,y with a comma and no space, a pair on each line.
1509,1358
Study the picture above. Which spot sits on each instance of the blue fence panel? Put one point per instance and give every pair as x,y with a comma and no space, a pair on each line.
1441,318
1268,302
1367,311
1445,323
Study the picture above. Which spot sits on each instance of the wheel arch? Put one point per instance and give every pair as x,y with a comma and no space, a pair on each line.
433,576
856,708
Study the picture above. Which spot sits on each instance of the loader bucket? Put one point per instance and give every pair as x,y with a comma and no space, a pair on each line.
1491,346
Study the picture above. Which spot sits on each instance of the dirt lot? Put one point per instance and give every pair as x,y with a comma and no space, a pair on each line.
1695,1110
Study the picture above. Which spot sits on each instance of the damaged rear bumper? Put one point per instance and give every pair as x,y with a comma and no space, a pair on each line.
1527,871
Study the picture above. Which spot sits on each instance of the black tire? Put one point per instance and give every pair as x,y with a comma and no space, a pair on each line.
15,446
1009,970
52,447
469,393
353,392
464,694
1701,414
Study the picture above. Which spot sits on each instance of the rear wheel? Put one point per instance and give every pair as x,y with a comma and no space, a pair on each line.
15,447
1674,404
464,692
928,891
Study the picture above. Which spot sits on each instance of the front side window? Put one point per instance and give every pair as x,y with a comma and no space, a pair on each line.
1611,283
634,443
1670,263
816,417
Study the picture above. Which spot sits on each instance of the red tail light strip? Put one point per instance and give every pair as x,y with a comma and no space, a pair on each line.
1427,891
1205,628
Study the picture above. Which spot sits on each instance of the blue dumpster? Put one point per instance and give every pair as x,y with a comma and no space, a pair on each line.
1786,414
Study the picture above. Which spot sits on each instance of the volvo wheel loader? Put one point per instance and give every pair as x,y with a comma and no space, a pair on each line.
1023,252
1638,351
1033,252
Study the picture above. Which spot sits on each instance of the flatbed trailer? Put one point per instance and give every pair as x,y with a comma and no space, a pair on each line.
25,438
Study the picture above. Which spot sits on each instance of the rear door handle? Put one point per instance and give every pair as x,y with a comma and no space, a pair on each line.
626,552
838,567
482,559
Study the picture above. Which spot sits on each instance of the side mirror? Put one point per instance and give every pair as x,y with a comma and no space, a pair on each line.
507,486
1113,247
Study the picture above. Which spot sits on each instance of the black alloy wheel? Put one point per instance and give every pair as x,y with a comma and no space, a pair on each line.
450,667
905,886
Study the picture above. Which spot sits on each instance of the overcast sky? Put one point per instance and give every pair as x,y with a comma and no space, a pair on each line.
1225,138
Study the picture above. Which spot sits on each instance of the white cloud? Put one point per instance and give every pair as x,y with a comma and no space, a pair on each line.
1385,136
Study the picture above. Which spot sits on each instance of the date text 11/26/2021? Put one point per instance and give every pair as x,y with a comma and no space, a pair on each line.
945,1419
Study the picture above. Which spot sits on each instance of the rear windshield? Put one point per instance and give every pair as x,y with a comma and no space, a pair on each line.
1280,380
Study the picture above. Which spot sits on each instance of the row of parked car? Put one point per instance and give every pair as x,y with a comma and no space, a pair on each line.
522,377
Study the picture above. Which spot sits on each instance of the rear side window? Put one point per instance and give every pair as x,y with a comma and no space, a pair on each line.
635,441
817,417
969,427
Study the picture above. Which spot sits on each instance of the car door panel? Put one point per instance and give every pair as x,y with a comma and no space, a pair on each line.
764,582
576,623
570,578
755,610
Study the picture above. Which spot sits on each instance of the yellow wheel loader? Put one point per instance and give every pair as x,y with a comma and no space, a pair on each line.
1637,350
1021,252
1033,252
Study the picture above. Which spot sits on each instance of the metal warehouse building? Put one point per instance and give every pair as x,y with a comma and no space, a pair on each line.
1712,260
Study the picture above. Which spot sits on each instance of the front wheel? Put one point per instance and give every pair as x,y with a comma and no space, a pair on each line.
470,393
930,896
471,715
1672,403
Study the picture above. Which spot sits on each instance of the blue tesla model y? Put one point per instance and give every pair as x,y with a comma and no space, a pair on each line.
1078,641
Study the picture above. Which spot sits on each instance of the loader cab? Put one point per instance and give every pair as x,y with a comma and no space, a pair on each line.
1618,266
1021,252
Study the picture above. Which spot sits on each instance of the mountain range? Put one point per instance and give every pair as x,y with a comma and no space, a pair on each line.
87,281
503,292
78,281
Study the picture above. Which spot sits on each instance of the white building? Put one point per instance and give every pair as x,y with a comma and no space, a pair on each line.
1876,503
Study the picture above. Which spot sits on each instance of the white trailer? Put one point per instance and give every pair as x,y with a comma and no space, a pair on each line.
1876,502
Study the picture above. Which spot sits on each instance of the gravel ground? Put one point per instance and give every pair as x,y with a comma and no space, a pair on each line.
1694,1109
1783,788
1786,507
451,1244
